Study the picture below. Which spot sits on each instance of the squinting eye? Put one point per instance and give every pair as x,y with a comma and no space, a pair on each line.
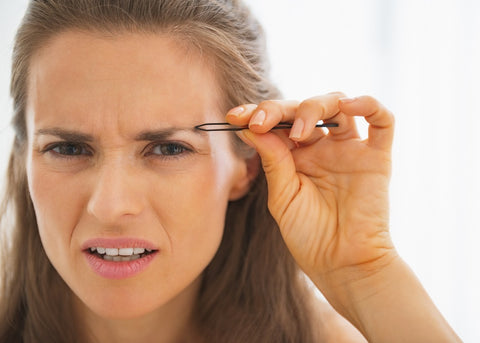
69,149
168,149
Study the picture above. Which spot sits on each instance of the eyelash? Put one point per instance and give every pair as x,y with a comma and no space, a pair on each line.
64,145
86,151
148,151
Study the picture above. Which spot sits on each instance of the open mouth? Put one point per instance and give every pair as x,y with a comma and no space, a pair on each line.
120,254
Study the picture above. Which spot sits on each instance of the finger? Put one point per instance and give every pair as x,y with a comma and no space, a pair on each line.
265,116
271,112
381,120
312,110
346,129
240,115
282,134
316,135
279,167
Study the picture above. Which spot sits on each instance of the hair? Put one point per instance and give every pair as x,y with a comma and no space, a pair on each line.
252,291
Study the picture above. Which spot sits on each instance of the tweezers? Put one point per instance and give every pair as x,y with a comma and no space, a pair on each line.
229,127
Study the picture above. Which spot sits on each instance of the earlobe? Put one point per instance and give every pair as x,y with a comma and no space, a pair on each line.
250,168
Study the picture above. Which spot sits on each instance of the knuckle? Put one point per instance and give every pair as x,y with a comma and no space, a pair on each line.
370,98
250,107
391,117
340,94
310,106
373,103
269,105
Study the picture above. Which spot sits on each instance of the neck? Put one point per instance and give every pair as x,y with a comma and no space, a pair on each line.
171,323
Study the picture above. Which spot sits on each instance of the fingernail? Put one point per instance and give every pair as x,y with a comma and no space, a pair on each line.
297,129
259,118
236,111
347,100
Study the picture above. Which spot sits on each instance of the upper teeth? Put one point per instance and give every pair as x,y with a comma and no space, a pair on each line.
121,251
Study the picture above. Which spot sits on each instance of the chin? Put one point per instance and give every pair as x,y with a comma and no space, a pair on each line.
130,300
122,305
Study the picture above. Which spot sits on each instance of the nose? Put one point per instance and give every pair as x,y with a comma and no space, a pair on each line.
116,194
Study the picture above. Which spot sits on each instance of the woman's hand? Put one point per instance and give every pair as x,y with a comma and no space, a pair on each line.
327,191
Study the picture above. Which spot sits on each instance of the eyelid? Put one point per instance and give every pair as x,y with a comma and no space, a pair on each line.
188,148
88,151
49,148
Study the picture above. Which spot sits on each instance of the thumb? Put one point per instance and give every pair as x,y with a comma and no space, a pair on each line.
279,167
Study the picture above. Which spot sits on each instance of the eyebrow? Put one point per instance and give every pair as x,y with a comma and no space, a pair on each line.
147,135
158,135
68,135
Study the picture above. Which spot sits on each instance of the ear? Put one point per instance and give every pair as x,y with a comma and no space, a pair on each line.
249,171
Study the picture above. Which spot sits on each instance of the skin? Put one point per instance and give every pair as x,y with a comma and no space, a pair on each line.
328,191
117,184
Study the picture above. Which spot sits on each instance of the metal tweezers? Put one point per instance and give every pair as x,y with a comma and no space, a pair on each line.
229,127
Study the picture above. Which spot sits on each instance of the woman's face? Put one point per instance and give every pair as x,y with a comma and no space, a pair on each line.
115,168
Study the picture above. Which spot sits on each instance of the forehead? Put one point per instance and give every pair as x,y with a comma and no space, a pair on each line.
93,78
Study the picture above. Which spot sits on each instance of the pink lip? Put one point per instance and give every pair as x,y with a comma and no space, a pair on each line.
118,270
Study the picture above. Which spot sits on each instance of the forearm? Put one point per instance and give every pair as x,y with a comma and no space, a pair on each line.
390,306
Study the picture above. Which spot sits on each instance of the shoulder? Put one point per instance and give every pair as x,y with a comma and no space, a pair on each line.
333,327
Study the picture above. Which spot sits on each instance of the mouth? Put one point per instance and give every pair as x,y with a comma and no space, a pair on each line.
120,254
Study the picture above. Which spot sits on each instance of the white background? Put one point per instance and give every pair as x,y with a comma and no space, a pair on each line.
421,58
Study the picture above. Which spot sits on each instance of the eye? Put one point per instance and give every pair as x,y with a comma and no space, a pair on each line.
168,149
68,149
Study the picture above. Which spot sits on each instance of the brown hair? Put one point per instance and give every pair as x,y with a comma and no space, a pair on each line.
252,291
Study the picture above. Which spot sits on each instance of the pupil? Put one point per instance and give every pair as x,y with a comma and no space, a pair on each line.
172,149
70,149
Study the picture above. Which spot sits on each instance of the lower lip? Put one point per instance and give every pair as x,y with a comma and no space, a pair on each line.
118,270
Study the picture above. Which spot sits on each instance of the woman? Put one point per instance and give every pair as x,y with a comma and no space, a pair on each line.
131,225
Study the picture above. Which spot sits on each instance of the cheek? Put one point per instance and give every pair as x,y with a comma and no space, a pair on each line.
193,206
57,210
192,209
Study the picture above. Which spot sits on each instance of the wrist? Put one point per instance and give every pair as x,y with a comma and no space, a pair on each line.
349,289
386,302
